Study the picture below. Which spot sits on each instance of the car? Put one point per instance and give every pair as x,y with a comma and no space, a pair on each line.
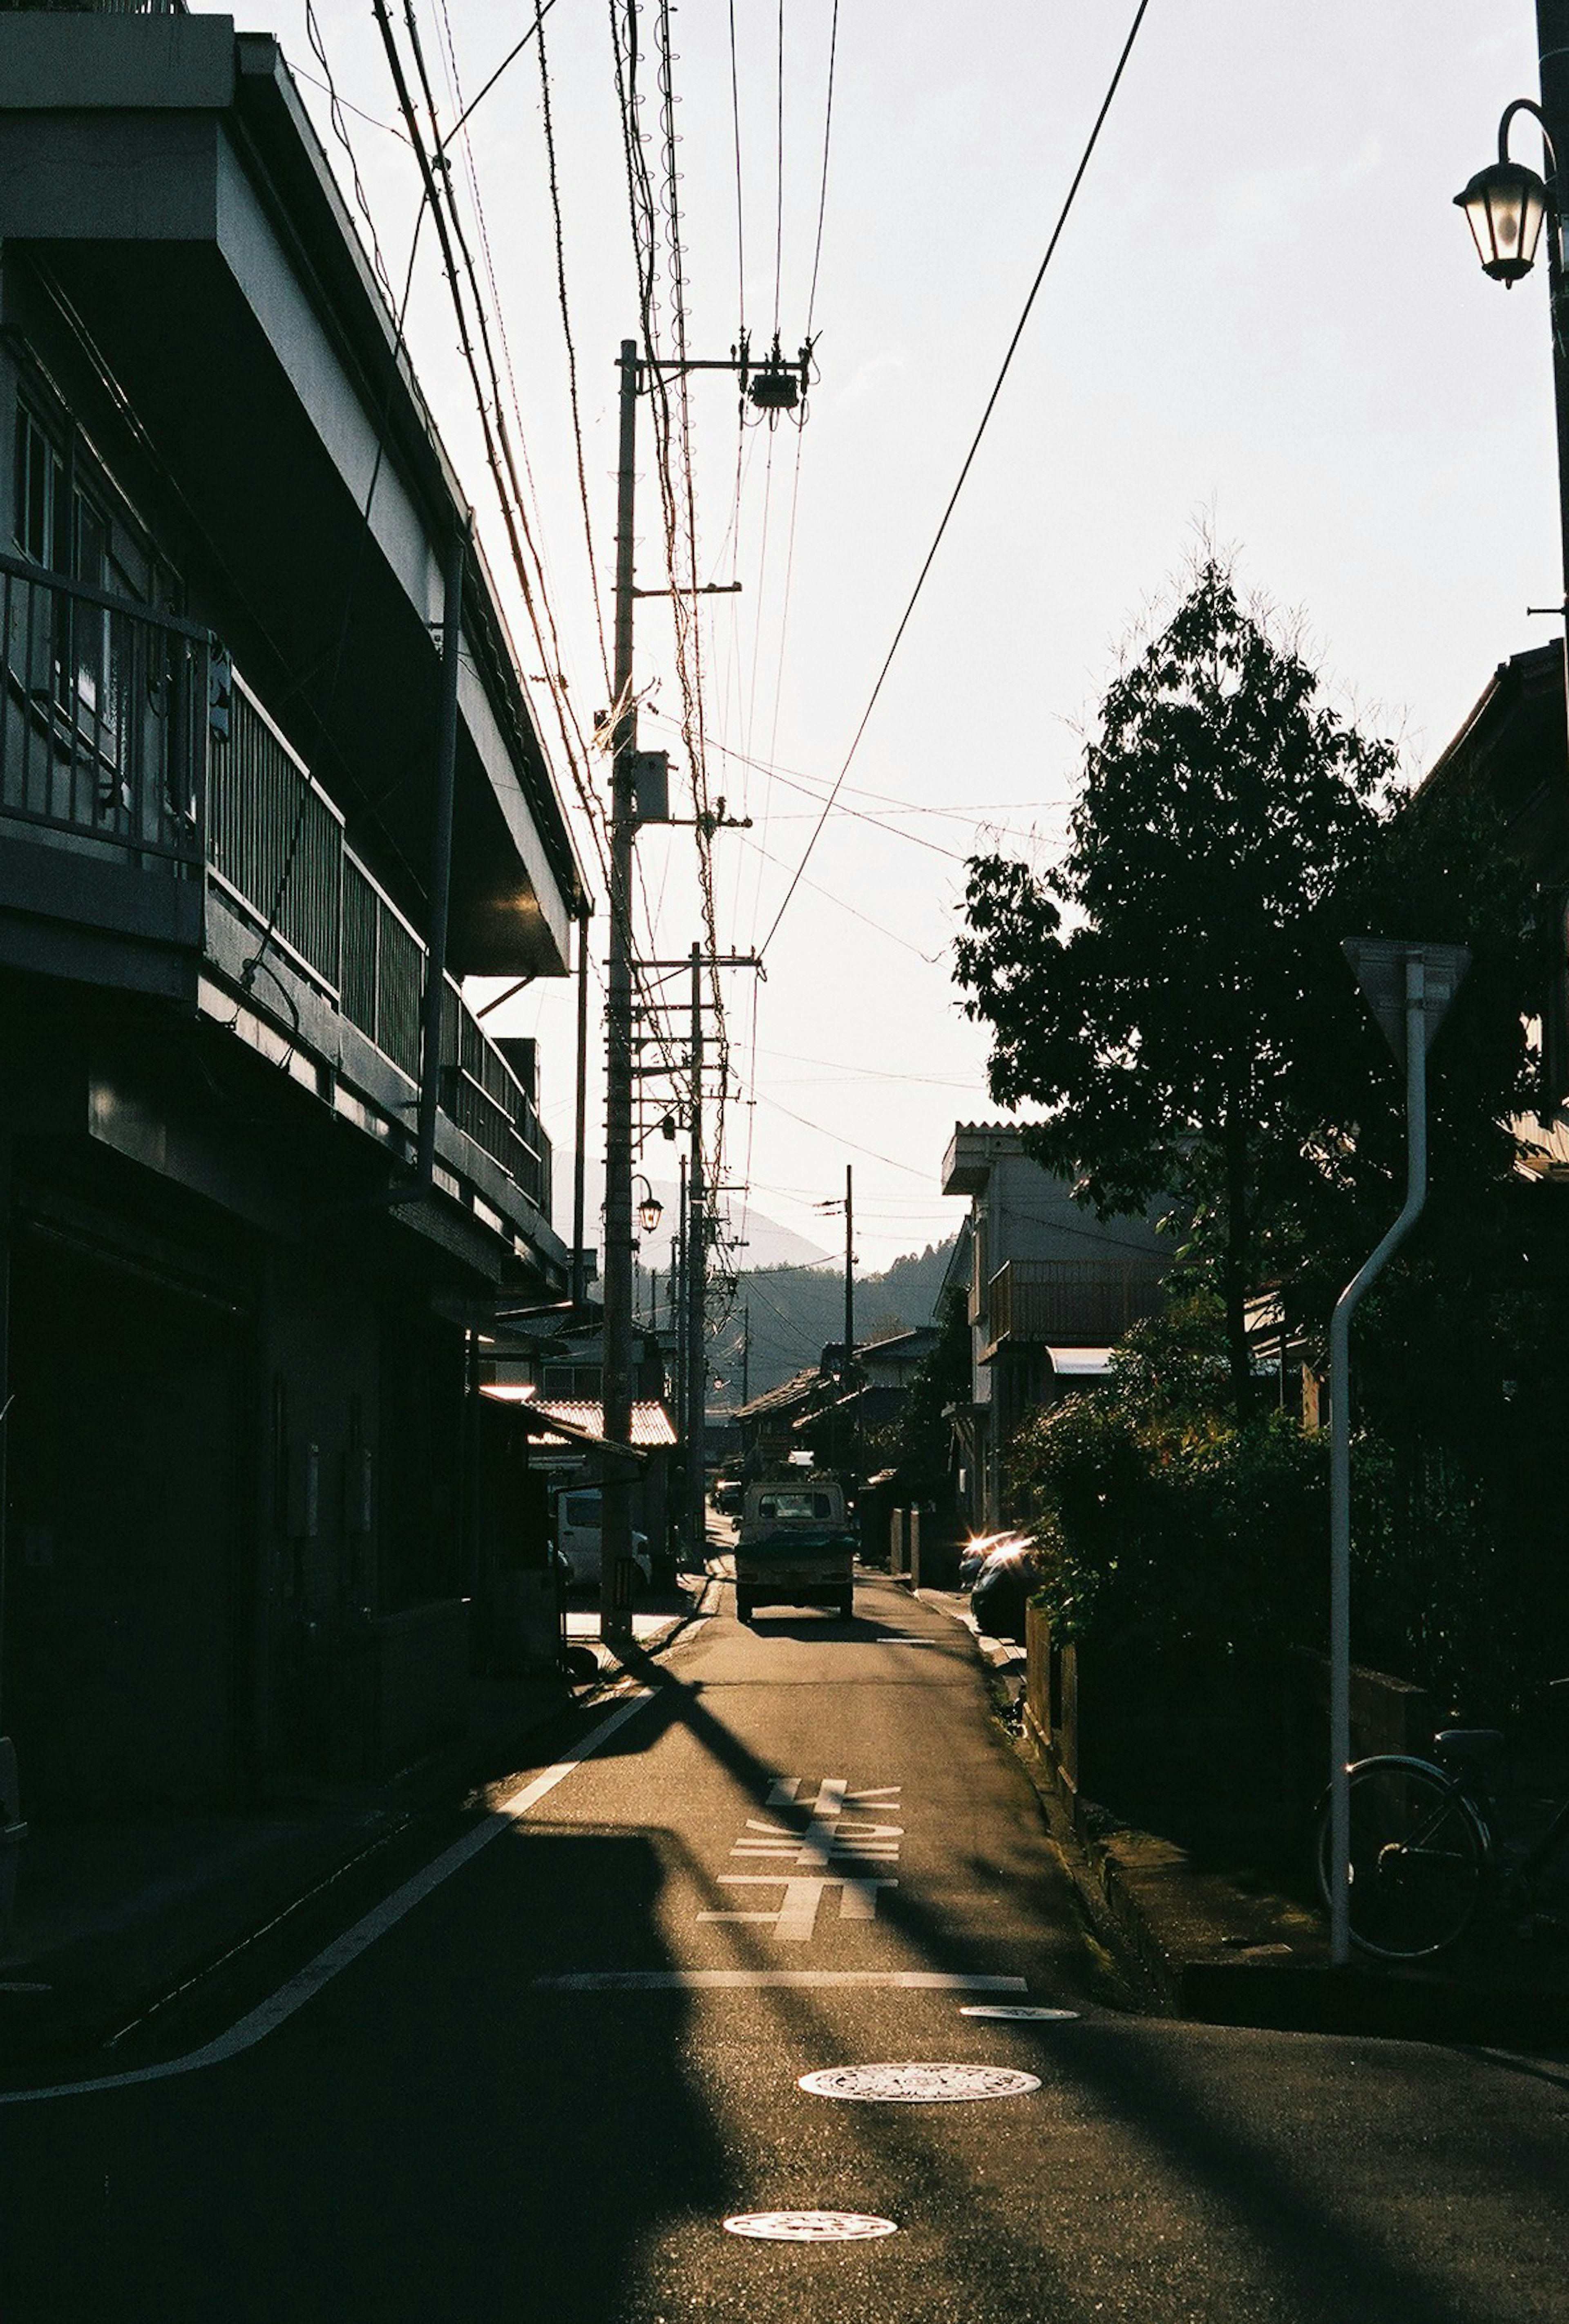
578,1519
1003,1588
978,1549
728,1495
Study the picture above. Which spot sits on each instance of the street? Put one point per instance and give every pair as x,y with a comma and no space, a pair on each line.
542,2091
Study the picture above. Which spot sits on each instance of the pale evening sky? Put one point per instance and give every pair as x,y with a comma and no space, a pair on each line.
1264,316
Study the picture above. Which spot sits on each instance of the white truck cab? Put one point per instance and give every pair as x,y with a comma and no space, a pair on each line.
795,1546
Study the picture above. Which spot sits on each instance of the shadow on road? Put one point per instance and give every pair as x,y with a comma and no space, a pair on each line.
432,2139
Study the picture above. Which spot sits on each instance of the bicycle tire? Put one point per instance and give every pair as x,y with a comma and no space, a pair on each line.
1419,1859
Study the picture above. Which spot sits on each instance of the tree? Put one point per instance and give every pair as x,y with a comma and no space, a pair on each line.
1172,994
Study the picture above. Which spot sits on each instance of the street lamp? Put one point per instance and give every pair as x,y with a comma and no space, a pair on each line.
1506,203
650,1209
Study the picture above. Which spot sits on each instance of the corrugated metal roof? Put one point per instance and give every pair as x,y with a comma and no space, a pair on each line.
652,1425
777,1399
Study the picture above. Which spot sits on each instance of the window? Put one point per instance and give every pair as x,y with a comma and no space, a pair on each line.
583,1509
792,1508
59,527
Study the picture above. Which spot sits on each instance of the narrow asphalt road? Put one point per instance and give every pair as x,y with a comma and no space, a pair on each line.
539,2093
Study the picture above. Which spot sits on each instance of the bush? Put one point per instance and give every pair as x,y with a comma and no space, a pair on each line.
1164,1522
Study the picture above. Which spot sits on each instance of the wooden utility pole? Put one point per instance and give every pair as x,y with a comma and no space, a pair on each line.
696,1294
850,1270
615,1487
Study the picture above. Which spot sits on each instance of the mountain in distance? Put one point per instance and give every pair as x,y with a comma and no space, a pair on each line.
794,1312
769,1244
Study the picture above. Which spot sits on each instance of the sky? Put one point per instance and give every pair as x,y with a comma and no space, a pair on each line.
1264,324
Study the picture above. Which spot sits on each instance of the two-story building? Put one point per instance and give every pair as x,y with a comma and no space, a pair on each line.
1050,1287
242,1473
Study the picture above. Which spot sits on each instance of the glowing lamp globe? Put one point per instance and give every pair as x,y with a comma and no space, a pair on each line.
1505,204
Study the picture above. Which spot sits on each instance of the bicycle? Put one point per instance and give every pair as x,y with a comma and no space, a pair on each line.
1424,1860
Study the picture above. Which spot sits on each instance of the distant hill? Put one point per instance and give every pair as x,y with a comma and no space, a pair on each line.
795,1311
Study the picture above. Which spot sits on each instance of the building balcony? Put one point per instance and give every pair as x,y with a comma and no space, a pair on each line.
1070,1302
160,835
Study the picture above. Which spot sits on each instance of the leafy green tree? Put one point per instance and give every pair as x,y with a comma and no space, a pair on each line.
1173,994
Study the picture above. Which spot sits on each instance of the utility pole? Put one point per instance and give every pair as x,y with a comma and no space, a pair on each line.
1552,50
850,1270
746,1355
678,1302
772,386
579,1257
847,1376
696,1295
616,1391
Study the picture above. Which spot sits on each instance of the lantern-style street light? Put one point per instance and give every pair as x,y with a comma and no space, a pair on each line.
1506,203
650,1209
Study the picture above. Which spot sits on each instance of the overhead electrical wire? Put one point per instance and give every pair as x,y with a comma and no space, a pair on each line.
566,333
991,404
458,266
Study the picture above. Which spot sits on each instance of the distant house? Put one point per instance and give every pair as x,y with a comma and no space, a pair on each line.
767,1424
1050,1289
835,1407
870,1397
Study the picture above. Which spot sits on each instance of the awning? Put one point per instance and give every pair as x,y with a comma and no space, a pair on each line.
1080,1363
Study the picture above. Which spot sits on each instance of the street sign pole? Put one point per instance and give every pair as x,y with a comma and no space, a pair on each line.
1408,988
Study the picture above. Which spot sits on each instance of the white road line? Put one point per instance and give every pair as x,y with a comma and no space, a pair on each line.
280,2005
742,1980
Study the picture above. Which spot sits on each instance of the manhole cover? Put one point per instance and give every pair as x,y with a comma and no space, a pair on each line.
918,2085
1015,2010
810,2227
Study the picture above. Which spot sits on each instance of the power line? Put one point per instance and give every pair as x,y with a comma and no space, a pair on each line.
741,222
964,472
436,178
588,532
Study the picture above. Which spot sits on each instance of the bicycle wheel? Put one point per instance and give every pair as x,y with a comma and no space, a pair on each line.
1418,1860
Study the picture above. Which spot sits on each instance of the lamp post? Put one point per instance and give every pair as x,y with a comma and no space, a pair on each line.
1506,206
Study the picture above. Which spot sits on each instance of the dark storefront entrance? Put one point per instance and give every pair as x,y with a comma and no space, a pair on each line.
123,1479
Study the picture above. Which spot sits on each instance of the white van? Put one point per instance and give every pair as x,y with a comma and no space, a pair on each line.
578,1515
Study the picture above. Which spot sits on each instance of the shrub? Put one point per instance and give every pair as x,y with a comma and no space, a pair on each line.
1165,1522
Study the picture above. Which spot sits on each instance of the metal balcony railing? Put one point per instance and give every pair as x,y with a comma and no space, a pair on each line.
107,741
275,839
1087,1301
104,720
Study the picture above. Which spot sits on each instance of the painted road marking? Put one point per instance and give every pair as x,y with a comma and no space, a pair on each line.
742,1980
843,1846
810,2227
1006,2009
918,2085
282,2004
795,1922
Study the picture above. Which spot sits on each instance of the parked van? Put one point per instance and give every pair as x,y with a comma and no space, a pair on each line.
578,1515
794,1547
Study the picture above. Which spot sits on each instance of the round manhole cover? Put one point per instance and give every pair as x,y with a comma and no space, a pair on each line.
810,2227
918,2085
1016,2011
